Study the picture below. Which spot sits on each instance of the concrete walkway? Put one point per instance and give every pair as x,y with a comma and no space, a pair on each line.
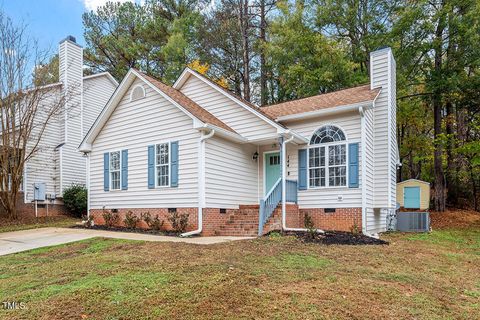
17,241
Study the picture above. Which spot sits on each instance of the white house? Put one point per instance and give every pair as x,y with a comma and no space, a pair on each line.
58,164
239,169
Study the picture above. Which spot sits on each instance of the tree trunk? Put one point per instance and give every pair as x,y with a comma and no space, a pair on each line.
263,40
452,193
439,202
244,27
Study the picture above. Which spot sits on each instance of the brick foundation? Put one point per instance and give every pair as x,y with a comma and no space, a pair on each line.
162,213
343,219
244,220
28,209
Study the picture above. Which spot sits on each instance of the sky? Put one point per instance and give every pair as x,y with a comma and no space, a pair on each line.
50,21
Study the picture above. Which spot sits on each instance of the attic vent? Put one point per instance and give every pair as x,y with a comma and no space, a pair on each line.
138,93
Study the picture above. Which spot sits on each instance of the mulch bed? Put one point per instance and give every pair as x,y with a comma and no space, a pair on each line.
455,219
124,229
30,220
336,237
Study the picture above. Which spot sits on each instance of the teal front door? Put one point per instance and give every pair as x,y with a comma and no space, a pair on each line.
272,170
411,197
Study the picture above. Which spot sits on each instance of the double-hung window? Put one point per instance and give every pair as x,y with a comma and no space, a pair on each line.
162,164
327,158
115,165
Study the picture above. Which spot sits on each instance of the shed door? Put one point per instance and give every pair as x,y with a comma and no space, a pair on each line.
411,197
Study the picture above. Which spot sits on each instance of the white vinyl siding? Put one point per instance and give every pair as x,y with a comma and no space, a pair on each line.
73,163
383,72
96,93
385,142
44,165
134,126
375,221
327,197
230,174
232,114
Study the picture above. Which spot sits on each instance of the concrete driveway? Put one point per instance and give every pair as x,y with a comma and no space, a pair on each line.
17,241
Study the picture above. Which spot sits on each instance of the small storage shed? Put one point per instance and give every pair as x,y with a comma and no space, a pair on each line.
413,194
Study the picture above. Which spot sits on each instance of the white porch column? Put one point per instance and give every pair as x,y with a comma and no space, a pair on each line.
283,157
283,161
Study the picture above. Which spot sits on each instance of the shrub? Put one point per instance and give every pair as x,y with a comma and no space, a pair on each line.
147,217
309,225
75,200
179,221
111,218
155,223
355,228
88,221
131,220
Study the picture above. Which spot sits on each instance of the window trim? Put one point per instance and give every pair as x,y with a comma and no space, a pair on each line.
327,167
110,187
169,164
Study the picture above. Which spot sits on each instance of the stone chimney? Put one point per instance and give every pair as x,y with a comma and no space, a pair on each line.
383,75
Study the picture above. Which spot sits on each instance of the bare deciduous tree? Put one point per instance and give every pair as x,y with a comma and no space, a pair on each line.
27,110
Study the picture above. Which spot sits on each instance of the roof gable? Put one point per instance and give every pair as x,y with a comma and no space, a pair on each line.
187,72
189,105
346,97
186,105
102,74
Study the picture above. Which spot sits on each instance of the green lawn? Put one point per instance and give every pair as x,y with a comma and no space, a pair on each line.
422,276
32,223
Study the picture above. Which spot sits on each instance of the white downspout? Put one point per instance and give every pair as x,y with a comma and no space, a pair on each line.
201,183
361,111
88,184
284,191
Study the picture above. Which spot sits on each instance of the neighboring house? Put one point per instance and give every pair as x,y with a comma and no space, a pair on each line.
58,164
197,148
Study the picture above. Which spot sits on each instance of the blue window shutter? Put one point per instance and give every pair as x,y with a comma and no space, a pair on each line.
174,164
106,171
353,165
302,169
124,169
151,167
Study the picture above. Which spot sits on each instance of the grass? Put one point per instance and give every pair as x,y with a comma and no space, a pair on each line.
33,223
420,276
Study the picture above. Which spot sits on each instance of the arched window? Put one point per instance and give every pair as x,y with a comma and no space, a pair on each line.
327,134
327,158
138,93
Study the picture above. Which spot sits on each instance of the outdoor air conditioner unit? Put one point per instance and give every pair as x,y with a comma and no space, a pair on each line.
413,221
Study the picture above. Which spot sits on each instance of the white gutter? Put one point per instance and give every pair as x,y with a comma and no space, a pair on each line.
325,112
201,183
88,185
284,191
222,132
